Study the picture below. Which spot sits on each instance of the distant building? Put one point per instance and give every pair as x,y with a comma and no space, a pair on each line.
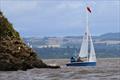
50,46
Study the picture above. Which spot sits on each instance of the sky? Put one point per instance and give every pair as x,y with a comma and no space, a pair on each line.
39,18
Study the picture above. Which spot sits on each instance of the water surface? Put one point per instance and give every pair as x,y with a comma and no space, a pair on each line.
106,69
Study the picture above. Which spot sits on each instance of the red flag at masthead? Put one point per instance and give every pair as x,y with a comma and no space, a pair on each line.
89,9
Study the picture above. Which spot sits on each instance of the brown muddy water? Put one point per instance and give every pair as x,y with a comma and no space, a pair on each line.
106,69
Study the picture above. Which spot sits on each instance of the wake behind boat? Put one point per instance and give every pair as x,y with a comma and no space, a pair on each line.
86,56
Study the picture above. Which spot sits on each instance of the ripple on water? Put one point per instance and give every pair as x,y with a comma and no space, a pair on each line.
107,69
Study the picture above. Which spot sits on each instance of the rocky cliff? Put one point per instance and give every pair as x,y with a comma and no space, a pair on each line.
14,54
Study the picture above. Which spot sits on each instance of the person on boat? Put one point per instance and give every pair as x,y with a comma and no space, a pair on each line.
79,59
73,59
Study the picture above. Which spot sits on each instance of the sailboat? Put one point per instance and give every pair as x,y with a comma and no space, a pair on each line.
86,56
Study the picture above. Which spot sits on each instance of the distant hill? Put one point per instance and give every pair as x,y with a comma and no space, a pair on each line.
69,44
106,36
110,36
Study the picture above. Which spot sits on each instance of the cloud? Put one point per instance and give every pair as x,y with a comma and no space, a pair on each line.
63,16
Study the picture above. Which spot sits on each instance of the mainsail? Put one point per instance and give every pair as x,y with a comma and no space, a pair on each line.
84,47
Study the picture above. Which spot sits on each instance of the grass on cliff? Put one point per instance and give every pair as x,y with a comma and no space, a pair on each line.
6,28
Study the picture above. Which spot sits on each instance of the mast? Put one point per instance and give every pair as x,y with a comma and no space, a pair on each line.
84,46
91,52
87,32
87,49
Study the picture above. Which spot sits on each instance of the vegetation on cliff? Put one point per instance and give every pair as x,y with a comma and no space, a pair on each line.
14,54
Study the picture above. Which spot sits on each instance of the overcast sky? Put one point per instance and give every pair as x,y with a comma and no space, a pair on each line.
61,17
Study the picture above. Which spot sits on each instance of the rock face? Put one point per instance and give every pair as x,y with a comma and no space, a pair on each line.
14,54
